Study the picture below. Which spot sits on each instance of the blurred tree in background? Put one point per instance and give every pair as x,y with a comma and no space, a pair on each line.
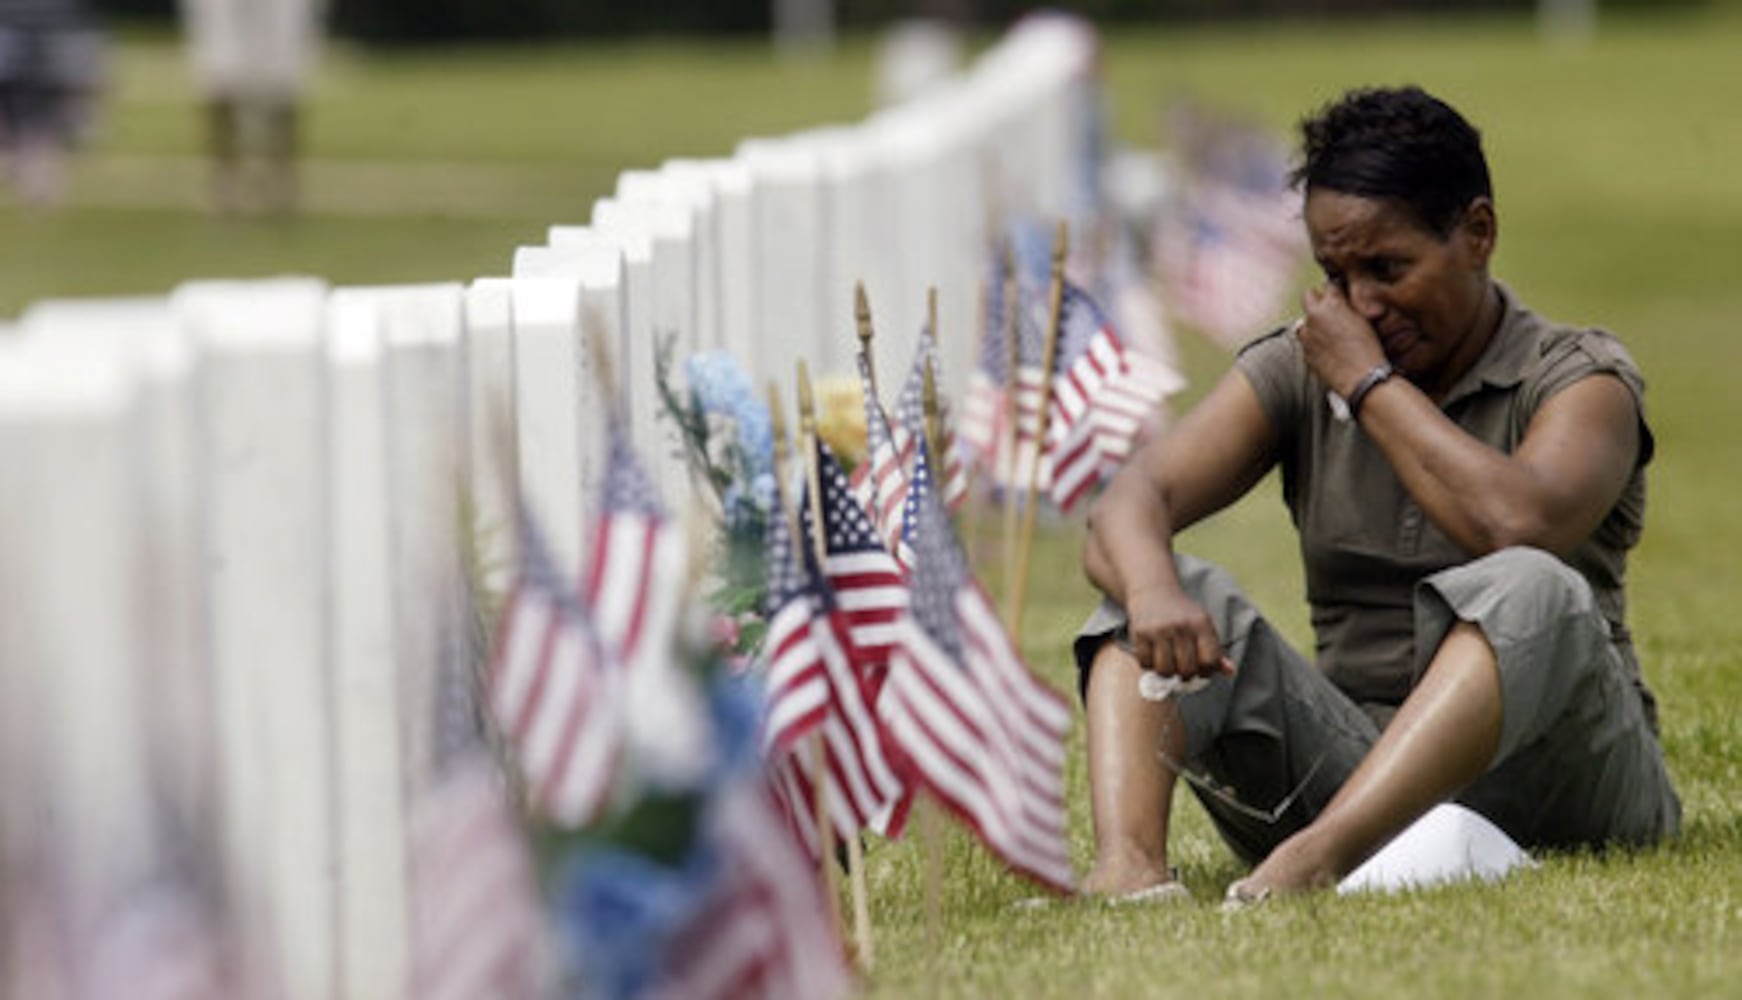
418,21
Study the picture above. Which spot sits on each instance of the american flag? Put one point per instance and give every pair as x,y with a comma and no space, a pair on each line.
868,583
1228,259
880,482
1001,436
971,720
818,684
796,680
984,408
918,495
864,788
633,575
163,942
475,919
1103,397
910,422
764,930
556,689
476,923
1069,462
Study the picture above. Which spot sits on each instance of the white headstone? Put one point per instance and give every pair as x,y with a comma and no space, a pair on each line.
865,242
791,247
949,139
552,371
427,429
688,181
676,254
73,604
263,399
633,227
494,465
735,261
372,897
142,335
630,229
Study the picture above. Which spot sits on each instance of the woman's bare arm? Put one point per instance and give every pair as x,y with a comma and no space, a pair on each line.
1216,452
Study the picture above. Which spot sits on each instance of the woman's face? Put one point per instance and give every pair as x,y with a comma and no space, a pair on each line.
1425,296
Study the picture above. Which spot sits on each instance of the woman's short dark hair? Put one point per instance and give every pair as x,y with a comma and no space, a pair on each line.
1401,144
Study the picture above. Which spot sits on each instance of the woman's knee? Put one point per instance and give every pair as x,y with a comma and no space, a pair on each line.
1515,584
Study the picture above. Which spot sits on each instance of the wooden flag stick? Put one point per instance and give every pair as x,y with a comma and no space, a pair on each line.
782,454
862,943
862,318
1025,540
931,840
1007,462
931,827
807,431
862,937
826,870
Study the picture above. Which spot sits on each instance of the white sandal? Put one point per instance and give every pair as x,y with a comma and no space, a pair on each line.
1171,891
1241,898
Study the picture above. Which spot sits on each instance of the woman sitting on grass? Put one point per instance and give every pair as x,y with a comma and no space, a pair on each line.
1467,478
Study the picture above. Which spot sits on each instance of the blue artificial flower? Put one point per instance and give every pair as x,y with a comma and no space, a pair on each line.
619,910
756,437
735,706
762,490
722,389
719,384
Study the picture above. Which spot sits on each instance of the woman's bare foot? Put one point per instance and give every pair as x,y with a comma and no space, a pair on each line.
1116,876
1298,864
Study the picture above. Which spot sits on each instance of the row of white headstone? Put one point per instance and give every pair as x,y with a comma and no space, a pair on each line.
234,520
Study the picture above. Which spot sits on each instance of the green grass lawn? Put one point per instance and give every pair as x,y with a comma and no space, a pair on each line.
1620,205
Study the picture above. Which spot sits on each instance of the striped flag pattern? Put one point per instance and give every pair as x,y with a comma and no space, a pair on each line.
476,924
564,662
868,584
1102,399
795,678
1103,396
985,416
880,482
864,785
555,690
972,722
764,931
160,944
817,684
633,575
909,428
1228,260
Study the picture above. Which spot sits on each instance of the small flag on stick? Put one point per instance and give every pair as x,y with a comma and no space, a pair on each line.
555,688
476,926
974,724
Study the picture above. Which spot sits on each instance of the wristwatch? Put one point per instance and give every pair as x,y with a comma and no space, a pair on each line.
1369,381
1346,410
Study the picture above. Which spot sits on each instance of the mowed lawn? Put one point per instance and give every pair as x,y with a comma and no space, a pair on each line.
1620,206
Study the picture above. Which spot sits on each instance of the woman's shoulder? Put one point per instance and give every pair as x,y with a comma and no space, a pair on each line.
1557,354
1566,353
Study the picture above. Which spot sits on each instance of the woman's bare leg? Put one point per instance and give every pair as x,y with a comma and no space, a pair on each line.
1444,737
1130,786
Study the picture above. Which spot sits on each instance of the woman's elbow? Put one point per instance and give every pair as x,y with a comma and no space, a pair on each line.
1513,526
